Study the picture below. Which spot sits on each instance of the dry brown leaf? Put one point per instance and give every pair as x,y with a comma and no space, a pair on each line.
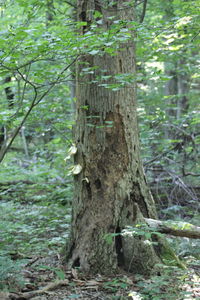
92,282
74,273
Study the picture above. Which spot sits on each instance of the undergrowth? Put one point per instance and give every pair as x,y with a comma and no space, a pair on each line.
34,221
33,228
10,273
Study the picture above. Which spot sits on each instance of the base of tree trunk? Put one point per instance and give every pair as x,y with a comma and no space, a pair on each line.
139,253
134,253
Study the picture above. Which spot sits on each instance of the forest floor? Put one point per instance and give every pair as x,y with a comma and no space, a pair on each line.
42,281
32,236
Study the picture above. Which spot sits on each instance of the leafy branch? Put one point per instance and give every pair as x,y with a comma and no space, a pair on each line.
6,145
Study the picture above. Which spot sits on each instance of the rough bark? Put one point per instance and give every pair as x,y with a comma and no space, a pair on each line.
111,184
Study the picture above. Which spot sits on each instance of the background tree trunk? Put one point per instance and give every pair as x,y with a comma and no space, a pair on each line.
10,98
111,184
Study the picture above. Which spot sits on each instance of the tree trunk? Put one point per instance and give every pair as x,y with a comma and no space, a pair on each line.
111,184
183,88
10,98
177,88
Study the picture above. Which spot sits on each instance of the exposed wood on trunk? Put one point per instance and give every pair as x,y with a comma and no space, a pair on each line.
181,229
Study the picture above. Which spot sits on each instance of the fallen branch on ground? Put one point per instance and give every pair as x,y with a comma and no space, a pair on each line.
28,295
174,228
15,182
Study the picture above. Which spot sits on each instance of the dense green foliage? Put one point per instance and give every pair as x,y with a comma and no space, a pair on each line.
39,44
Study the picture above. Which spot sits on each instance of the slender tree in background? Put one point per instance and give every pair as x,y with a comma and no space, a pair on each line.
111,191
10,99
176,68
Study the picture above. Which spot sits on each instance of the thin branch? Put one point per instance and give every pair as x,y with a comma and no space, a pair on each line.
191,174
194,37
67,140
28,82
6,146
21,96
181,130
34,102
56,81
71,4
160,155
143,11
34,60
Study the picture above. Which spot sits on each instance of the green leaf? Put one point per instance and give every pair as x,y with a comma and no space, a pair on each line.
94,52
60,274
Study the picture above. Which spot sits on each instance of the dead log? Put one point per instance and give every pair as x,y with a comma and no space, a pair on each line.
174,228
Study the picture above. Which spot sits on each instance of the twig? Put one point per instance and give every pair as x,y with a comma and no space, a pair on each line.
143,11
160,155
191,174
6,146
49,287
32,261
71,4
